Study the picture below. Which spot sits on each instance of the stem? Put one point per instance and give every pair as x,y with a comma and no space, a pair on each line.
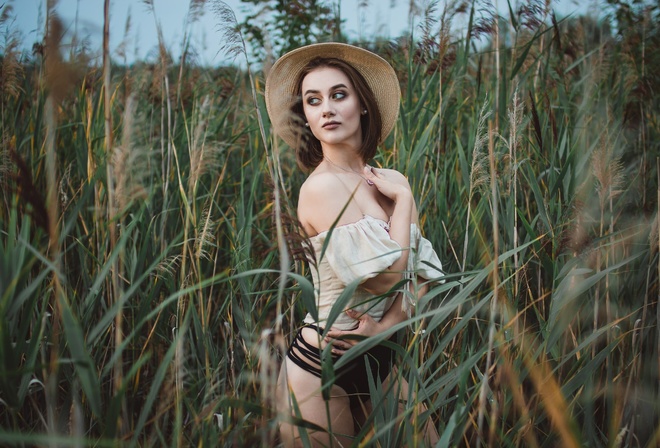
113,293
493,303
657,308
53,249
497,68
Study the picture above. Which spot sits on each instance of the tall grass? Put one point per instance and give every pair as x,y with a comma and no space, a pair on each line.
147,295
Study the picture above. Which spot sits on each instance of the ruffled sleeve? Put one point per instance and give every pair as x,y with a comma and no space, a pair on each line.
426,262
422,262
361,250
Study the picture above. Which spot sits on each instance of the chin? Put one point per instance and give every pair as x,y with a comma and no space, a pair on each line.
351,141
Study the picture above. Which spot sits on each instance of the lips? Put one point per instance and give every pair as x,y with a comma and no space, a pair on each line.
330,125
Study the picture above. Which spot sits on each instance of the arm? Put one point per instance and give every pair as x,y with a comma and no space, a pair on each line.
395,188
366,326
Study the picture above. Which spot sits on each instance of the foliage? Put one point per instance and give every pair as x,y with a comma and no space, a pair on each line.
275,27
146,290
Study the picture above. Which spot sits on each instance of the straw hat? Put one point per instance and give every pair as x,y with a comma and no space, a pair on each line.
377,72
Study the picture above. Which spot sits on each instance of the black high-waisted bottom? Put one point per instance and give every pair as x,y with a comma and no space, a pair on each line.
352,377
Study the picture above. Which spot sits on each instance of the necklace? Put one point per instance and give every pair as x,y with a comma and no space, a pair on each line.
348,170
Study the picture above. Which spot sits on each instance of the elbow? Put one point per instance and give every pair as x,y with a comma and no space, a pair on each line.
382,283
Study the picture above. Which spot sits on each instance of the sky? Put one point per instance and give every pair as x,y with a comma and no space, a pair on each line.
387,18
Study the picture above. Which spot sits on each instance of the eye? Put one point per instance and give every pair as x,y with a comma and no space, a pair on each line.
339,95
313,101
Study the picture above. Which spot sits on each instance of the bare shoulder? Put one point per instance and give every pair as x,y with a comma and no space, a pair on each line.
322,198
394,176
317,186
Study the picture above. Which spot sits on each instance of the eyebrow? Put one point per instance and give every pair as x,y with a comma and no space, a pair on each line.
335,87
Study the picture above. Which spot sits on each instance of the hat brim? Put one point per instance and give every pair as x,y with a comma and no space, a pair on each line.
281,84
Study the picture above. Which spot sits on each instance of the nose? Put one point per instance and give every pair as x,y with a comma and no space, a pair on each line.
328,110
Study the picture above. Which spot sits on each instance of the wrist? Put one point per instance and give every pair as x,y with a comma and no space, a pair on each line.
404,196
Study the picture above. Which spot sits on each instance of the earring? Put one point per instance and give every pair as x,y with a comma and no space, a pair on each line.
364,112
306,124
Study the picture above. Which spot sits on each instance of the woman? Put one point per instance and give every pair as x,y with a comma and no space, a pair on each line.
334,103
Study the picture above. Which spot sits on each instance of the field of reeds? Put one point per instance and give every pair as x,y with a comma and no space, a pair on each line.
149,277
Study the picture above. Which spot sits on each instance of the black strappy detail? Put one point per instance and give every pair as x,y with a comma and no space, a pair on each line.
352,377
303,354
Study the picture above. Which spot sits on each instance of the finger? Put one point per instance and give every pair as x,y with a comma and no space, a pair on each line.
366,318
333,334
371,174
342,345
371,170
339,346
338,342
337,351
343,339
361,318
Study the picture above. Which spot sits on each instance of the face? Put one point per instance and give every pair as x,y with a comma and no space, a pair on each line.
332,107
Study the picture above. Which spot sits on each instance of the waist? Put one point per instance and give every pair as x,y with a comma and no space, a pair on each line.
362,303
312,334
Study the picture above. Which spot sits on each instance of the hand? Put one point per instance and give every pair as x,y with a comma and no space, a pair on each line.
342,340
389,189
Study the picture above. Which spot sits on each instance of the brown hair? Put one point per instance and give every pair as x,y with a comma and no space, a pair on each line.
308,148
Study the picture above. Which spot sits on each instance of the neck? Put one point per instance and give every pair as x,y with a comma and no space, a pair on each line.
344,159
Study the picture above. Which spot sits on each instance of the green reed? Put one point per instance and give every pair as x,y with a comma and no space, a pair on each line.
146,296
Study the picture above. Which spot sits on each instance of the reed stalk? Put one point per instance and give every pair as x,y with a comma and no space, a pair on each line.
657,164
53,249
498,70
484,387
51,369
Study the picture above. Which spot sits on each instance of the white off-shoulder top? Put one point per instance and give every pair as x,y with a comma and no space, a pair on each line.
361,250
